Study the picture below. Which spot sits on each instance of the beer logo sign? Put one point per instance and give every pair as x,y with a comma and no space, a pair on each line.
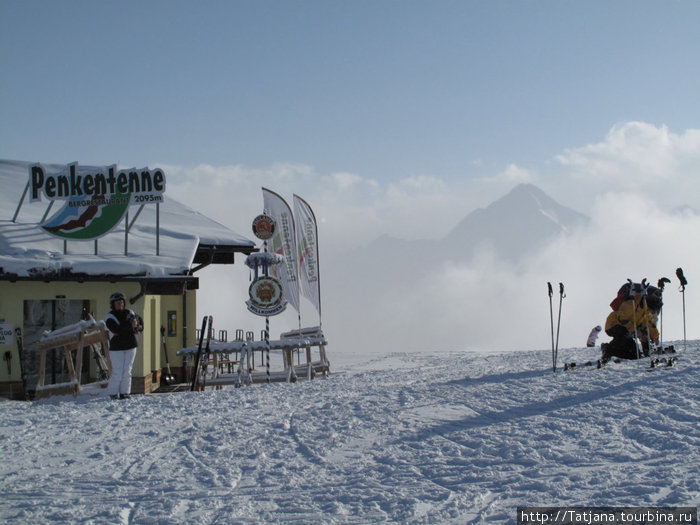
264,227
266,297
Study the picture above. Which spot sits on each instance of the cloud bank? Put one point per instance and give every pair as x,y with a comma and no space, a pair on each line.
632,184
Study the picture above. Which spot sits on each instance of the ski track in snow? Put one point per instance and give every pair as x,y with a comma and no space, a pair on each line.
421,438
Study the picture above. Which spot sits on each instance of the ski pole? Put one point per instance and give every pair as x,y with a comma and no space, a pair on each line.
267,349
661,285
198,355
631,296
556,348
684,282
551,323
645,318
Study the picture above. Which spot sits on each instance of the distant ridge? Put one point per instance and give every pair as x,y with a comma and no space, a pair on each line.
512,226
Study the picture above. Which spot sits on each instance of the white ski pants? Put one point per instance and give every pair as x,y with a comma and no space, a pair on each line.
120,380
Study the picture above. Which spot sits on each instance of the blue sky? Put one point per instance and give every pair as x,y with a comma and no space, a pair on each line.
384,89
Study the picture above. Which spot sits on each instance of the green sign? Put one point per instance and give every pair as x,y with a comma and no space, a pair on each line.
96,199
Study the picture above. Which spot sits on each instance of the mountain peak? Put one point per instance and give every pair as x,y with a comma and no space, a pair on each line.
515,224
525,187
526,193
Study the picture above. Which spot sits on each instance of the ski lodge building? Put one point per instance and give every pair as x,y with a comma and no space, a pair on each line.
116,231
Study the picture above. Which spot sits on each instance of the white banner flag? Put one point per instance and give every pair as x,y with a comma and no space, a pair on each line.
283,243
307,243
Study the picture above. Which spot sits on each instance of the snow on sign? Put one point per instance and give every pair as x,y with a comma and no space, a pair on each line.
7,334
96,199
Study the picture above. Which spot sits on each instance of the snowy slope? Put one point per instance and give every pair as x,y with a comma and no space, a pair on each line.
407,438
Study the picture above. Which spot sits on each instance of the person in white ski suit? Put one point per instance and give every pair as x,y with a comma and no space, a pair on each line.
123,325
593,336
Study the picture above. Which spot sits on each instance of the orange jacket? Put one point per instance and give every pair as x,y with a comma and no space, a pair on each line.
631,311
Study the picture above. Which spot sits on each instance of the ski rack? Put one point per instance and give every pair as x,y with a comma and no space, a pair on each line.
220,368
73,337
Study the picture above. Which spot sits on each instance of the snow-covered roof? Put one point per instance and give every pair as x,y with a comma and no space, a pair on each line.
186,238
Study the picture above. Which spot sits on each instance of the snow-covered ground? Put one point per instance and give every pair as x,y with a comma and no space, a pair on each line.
404,438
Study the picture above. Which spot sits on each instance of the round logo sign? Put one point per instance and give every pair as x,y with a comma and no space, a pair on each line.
266,296
264,227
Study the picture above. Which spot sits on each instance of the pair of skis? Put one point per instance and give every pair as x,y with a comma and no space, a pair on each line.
555,346
662,363
599,363
655,364
20,354
642,290
661,284
201,359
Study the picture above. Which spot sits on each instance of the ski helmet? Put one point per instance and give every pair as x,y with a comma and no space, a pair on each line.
116,296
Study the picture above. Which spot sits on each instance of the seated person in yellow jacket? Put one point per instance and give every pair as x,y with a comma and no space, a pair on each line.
620,326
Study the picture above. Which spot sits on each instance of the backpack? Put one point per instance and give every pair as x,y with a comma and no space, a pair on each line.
630,289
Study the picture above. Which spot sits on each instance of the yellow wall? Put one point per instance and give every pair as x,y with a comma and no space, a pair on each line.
175,342
13,295
152,308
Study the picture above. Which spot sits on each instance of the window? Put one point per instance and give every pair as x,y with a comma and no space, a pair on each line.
43,315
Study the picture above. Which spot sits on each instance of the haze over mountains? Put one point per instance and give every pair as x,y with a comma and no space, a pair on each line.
393,288
509,229
481,281
513,226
